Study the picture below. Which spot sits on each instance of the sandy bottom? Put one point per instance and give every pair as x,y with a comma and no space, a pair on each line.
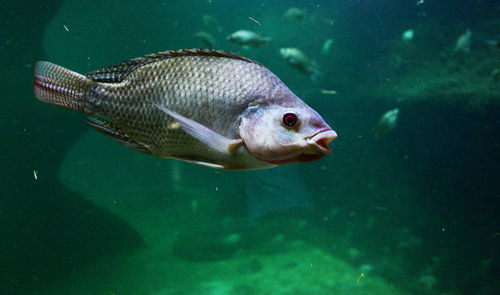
298,269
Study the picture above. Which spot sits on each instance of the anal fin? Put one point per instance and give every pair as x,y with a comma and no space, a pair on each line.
113,130
206,164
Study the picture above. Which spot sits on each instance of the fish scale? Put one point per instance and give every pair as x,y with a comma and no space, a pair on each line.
208,108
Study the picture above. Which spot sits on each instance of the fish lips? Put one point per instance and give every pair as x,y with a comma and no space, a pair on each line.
320,140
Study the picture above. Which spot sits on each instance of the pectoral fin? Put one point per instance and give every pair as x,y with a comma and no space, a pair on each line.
206,135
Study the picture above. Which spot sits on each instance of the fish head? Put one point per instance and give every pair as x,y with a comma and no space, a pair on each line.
286,52
390,117
283,135
291,52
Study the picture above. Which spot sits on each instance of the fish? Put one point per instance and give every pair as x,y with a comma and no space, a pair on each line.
495,75
408,35
248,38
386,123
208,107
493,44
463,42
211,22
294,14
327,47
298,60
206,38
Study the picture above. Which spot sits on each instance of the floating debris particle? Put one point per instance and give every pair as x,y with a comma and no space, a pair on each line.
35,174
361,276
174,125
66,28
328,92
255,21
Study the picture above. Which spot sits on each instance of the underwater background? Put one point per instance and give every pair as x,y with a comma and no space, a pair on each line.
415,211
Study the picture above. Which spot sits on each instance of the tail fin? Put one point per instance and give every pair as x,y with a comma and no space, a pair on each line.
60,86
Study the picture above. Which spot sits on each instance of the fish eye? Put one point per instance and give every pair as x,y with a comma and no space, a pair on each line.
290,119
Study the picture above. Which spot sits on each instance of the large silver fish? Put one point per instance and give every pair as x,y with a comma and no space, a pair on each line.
209,107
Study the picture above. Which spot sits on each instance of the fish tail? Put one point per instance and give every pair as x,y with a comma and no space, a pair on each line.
60,86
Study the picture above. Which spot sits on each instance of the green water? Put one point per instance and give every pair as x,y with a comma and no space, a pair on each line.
414,212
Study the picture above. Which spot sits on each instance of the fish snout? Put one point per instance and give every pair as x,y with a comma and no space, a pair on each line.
320,140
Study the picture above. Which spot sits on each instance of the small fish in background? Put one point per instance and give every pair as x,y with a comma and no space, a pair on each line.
495,74
386,123
493,44
420,2
247,39
407,35
294,14
463,42
205,38
299,61
207,107
327,47
211,23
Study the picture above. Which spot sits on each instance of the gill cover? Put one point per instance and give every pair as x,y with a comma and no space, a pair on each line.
267,138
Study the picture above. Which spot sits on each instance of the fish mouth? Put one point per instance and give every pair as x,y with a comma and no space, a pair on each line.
321,140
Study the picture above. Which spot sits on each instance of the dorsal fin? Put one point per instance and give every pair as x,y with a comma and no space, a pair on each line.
117,72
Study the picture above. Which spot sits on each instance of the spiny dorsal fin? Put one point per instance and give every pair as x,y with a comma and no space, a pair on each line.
117,72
